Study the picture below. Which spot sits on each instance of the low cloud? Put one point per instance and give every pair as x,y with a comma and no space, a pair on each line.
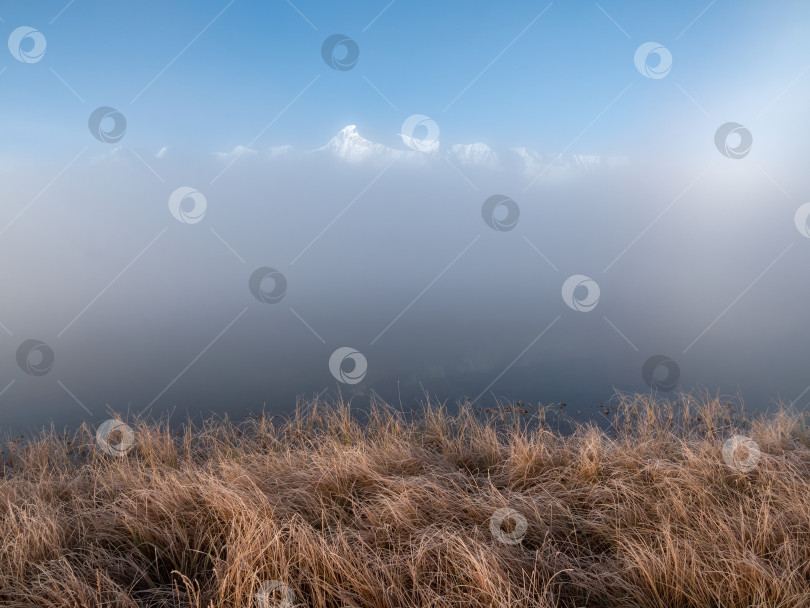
478,155
236,152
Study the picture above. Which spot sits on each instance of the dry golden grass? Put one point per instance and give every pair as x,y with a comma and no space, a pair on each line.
379,509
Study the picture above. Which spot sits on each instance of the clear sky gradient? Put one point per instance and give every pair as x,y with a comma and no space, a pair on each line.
211,75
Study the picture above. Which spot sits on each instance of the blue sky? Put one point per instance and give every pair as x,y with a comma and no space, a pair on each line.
559,73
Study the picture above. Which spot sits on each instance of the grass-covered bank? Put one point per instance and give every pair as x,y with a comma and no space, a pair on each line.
683,504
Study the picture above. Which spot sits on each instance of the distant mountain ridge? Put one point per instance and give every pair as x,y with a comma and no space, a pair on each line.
350,146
